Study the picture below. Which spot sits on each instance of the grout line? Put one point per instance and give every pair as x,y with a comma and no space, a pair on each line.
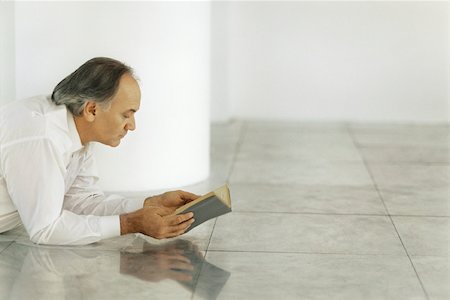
236,150
312,253
386,208
307,213
204,259
12,242
336,214
410,163
210,237
242,133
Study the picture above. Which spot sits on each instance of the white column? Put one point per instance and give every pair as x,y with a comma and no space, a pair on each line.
7,57
168,45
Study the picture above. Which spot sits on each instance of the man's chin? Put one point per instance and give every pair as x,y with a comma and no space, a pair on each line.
114,143
111,143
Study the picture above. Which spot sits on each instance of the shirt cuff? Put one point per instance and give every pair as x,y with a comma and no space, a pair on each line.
109,226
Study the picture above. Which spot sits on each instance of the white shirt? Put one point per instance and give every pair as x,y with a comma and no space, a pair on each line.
49,179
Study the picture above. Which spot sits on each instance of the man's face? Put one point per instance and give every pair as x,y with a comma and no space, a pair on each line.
113,123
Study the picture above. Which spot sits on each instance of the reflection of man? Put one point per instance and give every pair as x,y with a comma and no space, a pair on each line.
74,273
47,171
179,260
40,272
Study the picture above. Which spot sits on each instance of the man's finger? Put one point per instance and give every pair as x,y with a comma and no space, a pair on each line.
179,219
177,233
186,266
181,227
180,276
188,197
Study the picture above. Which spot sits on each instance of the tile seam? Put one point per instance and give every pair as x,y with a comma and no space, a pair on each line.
349,130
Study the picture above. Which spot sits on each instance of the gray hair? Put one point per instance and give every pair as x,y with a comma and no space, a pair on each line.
96,80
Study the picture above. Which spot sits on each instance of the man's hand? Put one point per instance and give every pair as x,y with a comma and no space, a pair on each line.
172,199
174,260
156,222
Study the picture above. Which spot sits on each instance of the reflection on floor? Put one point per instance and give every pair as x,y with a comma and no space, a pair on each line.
320,211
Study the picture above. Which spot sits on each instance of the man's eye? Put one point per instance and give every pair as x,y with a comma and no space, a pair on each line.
126,116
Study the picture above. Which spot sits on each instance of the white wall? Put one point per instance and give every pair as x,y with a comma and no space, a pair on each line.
375,61
168,44
370,61
220,98
7,55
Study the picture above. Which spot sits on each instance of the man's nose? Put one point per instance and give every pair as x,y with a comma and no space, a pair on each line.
131,125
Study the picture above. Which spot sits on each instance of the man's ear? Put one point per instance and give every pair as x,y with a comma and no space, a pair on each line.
90,111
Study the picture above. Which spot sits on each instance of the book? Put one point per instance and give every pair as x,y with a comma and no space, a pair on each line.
211,205
208,280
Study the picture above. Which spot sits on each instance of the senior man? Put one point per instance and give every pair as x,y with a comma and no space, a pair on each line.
48,179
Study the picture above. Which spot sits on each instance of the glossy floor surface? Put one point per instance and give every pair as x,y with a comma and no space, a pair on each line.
320,211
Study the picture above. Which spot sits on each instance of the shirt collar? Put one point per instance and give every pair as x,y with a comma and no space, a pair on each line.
73,133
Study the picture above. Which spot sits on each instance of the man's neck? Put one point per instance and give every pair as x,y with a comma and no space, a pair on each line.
83,130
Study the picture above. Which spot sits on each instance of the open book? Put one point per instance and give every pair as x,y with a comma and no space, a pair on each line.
211,205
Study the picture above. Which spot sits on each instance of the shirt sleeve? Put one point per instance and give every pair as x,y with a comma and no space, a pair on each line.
85,197
34,174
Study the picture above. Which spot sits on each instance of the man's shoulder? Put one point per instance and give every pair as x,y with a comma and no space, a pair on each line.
28,107
30,117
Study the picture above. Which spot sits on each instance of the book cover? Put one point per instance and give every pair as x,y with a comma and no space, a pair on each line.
211,205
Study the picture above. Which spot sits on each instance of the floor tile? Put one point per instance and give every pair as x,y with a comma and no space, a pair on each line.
11,262
166,271
399,128
294,138
13,234
305,233
420,201
295,172
396,135
223,150
310,146
226,130
434,273
220,170
390,140
417,155
424,235
313,276
224,138
417,176
301,127
4,245
256,197
224,155
307,223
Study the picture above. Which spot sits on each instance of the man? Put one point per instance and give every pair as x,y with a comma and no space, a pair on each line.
47,171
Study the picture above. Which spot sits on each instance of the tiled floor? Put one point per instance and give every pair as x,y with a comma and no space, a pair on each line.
320,211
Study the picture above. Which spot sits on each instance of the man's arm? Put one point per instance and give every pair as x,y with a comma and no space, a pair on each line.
156,222
85,197
34,174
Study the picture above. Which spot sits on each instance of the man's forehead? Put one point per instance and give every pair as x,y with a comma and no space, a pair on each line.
127,104
128,94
